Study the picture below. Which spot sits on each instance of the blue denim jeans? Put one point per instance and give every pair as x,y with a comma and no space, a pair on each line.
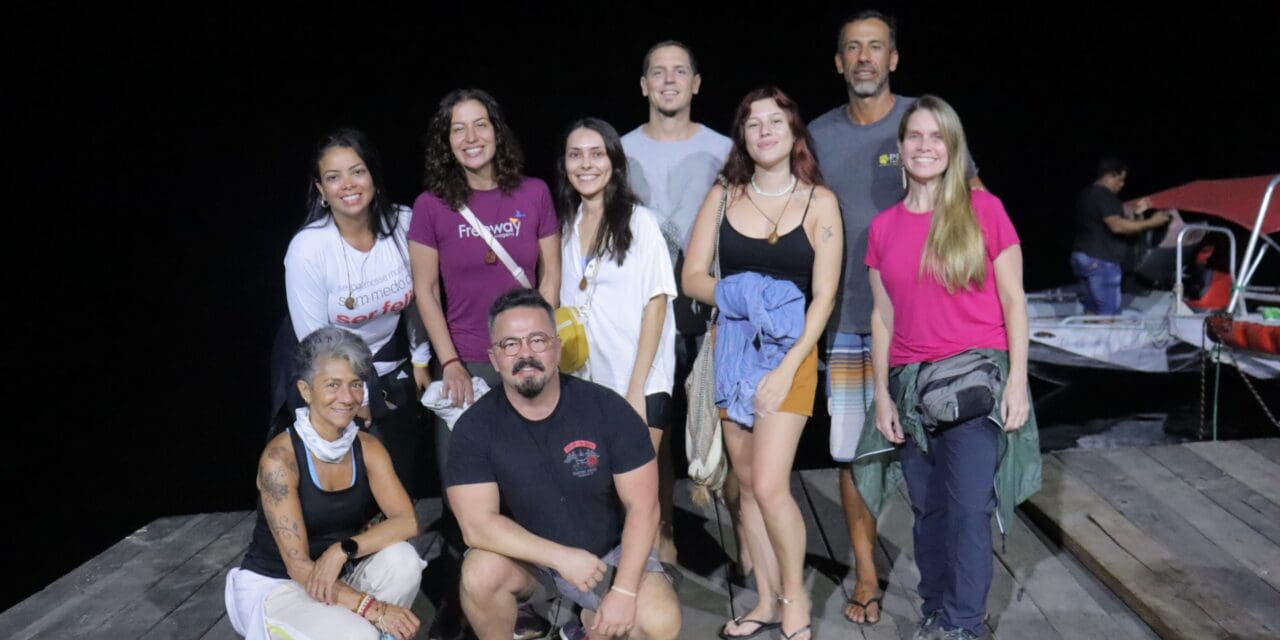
952,490
1100,283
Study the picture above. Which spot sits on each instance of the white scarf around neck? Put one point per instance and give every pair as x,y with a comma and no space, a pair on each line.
319,447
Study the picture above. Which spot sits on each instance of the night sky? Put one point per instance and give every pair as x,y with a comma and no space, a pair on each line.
162,165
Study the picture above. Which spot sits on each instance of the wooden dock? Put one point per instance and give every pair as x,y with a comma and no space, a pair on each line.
1187,536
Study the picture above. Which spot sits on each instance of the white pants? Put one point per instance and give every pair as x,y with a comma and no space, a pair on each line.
391,575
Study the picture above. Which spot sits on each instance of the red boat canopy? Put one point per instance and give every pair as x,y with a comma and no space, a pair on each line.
1234,199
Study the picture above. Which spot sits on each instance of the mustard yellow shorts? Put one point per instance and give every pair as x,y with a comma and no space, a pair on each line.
804,386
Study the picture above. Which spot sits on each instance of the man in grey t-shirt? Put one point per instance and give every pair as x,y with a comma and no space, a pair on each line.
672,162
857,148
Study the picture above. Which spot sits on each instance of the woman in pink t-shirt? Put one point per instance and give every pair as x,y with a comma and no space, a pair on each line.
946,277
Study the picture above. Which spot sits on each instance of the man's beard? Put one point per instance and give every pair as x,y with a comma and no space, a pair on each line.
867,88
532,386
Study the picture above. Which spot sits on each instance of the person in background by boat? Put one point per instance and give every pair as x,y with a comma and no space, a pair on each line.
474,161
945,267
348,266
856,144
554,482
1101,247
617,272
782,227
672,162
313,569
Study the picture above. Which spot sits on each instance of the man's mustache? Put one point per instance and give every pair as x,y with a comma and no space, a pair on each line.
527,362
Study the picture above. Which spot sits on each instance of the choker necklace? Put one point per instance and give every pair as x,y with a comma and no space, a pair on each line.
787,189
773,235
350,301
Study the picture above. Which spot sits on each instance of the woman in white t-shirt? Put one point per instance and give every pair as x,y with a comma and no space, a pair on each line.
617,271
348,266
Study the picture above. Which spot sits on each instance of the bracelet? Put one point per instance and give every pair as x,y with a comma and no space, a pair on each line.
622,591
451,361
357,607
421,365
382,615
365,603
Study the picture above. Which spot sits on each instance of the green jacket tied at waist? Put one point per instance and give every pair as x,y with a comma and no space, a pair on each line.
877,471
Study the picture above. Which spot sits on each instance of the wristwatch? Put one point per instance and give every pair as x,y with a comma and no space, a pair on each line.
350,547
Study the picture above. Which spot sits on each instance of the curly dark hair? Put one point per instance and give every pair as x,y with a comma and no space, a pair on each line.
443,176
614,237
739,167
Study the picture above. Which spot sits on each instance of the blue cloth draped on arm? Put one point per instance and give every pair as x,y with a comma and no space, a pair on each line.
760,319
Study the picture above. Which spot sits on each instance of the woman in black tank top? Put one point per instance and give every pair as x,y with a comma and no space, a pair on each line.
779,221
312,565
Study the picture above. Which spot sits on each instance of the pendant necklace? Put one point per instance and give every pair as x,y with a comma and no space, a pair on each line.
773,235
595,260
787,189
350,301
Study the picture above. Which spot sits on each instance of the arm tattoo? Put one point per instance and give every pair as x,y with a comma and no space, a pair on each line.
272,485
283,527
826,233
278,453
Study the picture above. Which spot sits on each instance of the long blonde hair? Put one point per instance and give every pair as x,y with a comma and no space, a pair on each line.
954,252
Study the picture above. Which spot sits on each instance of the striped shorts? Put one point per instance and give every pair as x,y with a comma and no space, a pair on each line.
850,388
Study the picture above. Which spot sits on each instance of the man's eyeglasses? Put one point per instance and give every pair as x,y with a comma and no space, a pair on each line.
538,342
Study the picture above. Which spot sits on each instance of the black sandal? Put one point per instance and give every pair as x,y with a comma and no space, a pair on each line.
866,617
761,628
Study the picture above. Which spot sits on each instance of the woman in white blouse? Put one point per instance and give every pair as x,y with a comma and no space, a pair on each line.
617,271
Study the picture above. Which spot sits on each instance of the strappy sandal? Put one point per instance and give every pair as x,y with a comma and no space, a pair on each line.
796,633
762,627
808,628
866,611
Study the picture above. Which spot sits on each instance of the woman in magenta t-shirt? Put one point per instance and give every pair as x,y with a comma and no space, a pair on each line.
474,160
946,277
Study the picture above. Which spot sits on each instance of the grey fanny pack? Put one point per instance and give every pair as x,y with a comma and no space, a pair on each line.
956,389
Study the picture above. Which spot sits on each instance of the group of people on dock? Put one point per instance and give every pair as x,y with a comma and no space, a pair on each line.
868,225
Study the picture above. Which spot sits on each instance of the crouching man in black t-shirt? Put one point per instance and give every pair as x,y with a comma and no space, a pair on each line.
554,482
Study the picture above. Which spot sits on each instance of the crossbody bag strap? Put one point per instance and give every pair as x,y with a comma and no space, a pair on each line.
715,255
496,247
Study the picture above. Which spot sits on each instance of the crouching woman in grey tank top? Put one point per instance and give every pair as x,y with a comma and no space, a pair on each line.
312,569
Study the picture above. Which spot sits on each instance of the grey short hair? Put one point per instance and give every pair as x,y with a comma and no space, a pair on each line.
331,342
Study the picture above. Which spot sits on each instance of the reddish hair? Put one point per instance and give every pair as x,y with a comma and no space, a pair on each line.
739,167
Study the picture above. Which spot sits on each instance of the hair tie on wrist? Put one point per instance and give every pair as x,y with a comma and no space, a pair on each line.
451,361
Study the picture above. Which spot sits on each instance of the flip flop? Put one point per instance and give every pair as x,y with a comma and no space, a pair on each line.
762,627
797,632
866,617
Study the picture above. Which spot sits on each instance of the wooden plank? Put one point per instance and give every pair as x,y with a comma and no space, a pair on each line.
1254,553
222,630
88,574
1244,464
1268,447
189,600
1063,602
823,492
1138,569
84,616
1236,598
1237,499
